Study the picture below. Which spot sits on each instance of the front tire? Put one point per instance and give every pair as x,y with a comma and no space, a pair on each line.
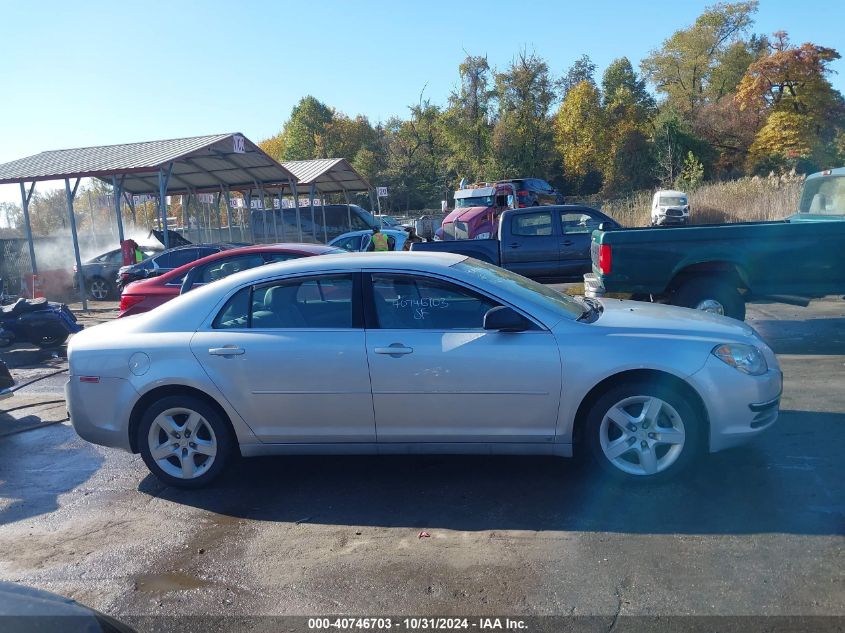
644,431
715,295
184,442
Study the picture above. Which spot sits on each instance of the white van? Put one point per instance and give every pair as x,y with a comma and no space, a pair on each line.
669,207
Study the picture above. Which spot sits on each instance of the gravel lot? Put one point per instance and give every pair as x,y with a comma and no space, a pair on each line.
755,531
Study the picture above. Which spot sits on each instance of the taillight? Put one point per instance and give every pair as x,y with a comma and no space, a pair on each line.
127,301
522,205
604,259
524,192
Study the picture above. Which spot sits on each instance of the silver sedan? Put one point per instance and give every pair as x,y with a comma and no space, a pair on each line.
416,352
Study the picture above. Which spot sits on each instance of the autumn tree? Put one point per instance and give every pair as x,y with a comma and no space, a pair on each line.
303,133
467,120
583,69
523,138
804,112
579,137
683,68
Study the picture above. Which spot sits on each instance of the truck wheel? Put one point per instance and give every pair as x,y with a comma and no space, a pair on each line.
718,296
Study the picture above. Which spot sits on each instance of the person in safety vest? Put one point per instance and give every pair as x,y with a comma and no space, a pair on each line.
378,242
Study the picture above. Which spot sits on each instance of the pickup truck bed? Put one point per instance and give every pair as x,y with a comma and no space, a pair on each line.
718,267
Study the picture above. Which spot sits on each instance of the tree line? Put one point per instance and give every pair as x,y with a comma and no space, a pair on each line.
714,101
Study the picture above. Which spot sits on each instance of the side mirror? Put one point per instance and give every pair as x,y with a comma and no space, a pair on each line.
504,319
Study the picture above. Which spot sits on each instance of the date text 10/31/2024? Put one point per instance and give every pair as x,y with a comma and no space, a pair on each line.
417,624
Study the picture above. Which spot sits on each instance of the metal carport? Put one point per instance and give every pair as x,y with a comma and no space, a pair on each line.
326,176
218,163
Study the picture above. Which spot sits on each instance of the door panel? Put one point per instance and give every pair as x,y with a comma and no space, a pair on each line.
437,376
532,248
299,374
577,229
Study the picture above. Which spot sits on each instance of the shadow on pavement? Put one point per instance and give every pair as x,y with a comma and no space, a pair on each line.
40,465
812,336
788,481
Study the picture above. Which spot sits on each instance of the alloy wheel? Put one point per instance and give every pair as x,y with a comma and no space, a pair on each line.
99,290
182,443
711,305
642,435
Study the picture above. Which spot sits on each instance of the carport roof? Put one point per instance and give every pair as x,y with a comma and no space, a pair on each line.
330,175
200,163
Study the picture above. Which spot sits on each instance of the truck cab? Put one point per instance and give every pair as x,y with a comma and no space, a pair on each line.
476,213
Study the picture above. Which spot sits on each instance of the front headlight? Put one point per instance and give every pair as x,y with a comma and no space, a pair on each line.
482,236
746,358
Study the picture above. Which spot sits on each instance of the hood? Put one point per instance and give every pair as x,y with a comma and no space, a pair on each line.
465,214
655,319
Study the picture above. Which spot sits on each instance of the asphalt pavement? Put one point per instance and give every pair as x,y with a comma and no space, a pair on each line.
754,531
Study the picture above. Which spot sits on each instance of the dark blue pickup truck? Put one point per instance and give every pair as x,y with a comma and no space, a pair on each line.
550,243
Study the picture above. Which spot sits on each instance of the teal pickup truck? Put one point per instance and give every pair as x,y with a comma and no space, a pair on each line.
718,267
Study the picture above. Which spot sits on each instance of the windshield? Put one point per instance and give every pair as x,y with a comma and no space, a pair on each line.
673,201
824,196
478,201
523,287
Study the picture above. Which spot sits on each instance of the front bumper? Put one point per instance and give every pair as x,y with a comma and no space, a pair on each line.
99,412
662,220
740,407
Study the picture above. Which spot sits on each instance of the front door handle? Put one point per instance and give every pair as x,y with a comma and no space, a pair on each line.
395,349
226,351
568,243
514,245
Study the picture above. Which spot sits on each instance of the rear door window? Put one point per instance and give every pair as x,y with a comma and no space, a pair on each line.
532,224
313,302
578,222
227,266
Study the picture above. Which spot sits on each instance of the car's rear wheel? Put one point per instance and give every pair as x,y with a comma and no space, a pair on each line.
99,289
644,432
184,441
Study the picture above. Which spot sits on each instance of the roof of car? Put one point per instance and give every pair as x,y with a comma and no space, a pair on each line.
369,232
305,249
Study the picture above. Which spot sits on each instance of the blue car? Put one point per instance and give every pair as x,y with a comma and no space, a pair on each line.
359,241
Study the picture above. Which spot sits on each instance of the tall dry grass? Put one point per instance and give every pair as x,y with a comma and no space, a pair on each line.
742,200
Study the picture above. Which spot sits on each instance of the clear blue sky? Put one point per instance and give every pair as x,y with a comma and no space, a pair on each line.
99,72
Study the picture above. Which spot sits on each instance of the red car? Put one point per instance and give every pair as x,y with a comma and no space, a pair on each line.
143,296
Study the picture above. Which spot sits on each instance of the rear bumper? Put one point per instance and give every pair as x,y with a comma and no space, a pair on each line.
99,412
593,286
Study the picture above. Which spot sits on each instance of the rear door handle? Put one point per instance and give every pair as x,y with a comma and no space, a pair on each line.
514,244
395,350
226,351
568,243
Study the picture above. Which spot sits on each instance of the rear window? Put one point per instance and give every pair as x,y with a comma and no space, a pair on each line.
824,196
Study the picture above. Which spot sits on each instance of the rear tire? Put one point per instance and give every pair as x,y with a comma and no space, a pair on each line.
184,441
717,295
100,289
644,431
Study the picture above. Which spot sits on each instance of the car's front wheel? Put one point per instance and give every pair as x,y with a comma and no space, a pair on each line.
184,441
643,431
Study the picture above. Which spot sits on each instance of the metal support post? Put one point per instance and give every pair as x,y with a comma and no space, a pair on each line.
25,198
162,200
296,207
116,192
313,218
323,209
348,208
228,213
70,195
